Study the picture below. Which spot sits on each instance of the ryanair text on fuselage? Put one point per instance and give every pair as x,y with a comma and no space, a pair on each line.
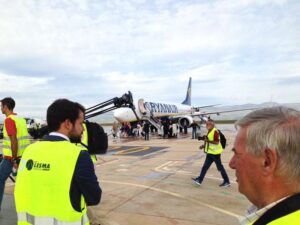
160,108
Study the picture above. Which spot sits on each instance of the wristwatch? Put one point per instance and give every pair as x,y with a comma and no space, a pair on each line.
14,160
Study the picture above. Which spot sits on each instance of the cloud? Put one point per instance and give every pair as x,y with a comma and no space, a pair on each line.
289,81
90,51
76,36
20,84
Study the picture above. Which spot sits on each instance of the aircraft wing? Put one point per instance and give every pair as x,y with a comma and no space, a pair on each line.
205,106
219,112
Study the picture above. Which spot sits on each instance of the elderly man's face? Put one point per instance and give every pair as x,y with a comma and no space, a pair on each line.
247,168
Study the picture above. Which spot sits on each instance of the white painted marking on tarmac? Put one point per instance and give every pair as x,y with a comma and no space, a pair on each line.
217,178
162,168
176,195
107,162
184,172
122,170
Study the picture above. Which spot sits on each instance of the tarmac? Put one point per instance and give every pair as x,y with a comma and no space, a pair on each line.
149,182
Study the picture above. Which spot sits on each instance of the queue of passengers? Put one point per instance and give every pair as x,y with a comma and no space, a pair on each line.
140,129
135,129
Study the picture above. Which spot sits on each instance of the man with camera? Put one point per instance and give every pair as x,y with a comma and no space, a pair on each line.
213,149
56,180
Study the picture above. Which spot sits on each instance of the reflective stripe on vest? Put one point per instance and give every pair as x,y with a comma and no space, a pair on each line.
35,220
210,148
42,189
22,137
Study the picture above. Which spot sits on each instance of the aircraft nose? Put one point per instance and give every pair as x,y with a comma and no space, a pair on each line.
124,115
120,115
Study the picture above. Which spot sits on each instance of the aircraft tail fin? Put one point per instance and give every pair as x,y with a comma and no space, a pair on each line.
187,100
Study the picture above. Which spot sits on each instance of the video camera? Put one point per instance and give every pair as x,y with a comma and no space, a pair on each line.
202,138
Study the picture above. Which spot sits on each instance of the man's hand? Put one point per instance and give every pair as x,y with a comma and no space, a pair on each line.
201,147
15,163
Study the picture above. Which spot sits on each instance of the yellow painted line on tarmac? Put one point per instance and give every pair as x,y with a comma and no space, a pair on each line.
114,147
176,195
132,150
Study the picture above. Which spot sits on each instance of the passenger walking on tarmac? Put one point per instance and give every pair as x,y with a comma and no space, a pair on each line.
165,124
170,131
194,130
266,161
57,180
174,129
213,149
15,140
139,129
185,127
146,129
114,130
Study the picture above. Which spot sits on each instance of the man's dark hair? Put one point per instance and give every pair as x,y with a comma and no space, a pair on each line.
210,120
9,102
60,110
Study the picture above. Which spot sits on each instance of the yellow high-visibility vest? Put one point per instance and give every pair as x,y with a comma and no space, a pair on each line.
84,140
22,137
292,218
210,148
42,191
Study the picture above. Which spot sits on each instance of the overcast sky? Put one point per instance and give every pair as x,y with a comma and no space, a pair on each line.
236,51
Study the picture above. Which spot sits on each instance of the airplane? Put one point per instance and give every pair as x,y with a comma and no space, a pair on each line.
183,113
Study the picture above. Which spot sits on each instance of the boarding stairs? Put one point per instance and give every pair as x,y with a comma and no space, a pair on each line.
148,115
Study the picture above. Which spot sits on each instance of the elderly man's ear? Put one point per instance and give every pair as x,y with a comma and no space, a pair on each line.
269,161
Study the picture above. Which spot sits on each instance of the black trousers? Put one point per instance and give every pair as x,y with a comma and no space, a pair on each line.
146,135
210,158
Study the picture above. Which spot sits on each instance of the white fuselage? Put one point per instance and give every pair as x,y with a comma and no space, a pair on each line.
156,109
35,123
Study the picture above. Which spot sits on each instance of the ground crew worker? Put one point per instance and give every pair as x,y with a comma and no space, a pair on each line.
266,161
56,178
213,149
15,140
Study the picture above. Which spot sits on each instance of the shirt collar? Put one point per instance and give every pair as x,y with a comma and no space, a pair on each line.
60,135
12,114
253,213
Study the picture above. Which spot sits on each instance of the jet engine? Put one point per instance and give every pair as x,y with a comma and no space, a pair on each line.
185,120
